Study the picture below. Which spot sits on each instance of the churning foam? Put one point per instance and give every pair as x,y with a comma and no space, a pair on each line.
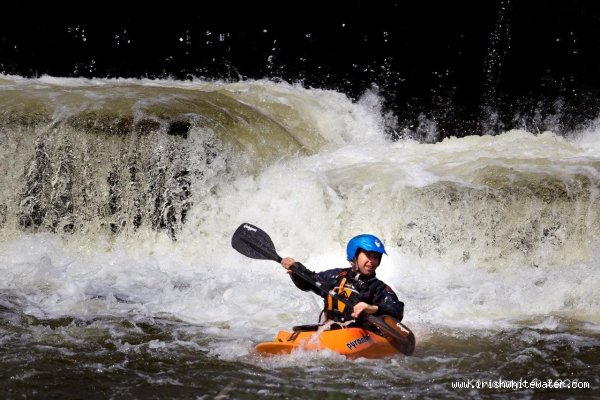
480,231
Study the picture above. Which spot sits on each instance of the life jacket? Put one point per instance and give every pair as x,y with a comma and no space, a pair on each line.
336,310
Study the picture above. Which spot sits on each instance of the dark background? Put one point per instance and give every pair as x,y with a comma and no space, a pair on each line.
472,67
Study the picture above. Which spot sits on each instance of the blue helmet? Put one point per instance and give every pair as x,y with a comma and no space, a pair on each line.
365,242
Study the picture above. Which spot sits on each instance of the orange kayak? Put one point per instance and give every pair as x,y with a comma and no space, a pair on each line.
350,342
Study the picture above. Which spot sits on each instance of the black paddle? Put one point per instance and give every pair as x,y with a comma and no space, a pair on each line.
253,242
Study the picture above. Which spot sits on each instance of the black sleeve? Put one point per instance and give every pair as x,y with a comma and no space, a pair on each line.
325,279
301,283
388,303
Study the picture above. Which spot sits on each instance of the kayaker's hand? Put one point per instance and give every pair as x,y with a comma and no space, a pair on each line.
287,263
362,306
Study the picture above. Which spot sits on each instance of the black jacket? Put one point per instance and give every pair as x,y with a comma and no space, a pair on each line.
368,289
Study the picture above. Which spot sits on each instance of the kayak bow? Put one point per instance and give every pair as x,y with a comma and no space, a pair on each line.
349,342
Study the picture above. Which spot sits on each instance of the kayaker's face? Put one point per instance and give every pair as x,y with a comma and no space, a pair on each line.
367,262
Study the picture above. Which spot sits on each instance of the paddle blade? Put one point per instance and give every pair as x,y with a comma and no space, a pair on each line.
397,333
253,242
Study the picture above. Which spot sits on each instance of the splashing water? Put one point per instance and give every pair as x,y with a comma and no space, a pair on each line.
119,198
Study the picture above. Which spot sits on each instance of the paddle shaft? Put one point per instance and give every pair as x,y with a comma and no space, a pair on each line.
275,257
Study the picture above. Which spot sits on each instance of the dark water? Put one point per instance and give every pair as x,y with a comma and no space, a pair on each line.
474,67
133,357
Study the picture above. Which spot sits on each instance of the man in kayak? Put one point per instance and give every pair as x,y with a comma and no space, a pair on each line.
357,283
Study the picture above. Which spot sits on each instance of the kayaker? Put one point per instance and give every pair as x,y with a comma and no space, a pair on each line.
358,283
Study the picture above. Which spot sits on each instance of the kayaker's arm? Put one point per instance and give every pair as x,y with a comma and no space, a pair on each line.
300,283
318,282
363,307
393,310
388,303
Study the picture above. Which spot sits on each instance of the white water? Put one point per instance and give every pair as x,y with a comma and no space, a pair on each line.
430,204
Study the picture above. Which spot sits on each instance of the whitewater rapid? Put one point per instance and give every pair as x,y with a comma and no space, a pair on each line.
489,232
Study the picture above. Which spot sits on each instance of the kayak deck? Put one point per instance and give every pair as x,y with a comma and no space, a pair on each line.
350,342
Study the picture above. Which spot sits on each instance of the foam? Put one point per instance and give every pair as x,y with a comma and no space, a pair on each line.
481,232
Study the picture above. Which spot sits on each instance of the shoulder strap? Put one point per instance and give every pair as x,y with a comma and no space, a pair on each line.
342,285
